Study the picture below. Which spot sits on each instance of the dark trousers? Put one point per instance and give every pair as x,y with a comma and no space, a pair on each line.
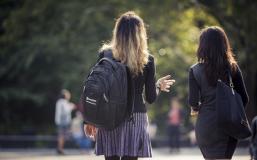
174,136
253,152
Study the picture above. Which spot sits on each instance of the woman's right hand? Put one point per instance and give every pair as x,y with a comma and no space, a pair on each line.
164,83
90,131
193,113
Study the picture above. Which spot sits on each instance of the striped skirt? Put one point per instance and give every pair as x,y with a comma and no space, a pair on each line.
129,139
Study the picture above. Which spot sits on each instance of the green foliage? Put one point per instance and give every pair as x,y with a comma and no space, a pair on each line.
48,45
174,47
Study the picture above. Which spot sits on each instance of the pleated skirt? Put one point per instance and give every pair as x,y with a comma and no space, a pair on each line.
129,139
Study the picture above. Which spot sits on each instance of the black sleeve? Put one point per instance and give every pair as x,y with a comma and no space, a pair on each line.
150,87
194,91
240,86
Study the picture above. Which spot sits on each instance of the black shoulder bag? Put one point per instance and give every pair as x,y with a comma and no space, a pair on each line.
230,111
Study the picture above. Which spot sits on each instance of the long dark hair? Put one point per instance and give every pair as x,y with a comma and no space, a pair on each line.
215,53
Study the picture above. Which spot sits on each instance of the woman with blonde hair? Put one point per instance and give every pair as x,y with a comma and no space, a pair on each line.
130,140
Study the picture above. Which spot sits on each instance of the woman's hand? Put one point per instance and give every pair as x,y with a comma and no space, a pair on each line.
90,131
193,113
164,83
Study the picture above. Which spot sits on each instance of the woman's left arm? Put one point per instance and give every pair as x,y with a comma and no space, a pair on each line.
153,88
193,93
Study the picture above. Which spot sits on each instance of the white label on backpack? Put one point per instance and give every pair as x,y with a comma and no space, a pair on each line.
91,101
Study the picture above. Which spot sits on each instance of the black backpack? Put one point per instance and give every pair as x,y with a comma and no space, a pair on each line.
108,97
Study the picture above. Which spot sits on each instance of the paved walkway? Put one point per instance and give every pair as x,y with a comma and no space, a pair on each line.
158,154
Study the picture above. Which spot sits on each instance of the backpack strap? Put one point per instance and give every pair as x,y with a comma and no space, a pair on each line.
131,98
114,65
108,54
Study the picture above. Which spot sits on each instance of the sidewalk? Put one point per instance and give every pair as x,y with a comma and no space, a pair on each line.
158,154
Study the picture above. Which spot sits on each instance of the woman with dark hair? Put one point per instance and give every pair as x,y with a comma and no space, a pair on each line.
215,61
129,45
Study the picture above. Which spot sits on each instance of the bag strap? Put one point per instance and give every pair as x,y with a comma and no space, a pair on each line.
133,95
114,65
107,54
231,84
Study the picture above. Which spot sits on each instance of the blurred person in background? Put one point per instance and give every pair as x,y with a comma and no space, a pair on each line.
78,133
63,118
191,133
152,130
253,142
174,120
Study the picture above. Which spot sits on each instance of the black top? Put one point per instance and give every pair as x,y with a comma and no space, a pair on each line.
205,94
144,81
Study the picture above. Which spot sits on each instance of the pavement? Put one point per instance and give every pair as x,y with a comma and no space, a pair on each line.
75,154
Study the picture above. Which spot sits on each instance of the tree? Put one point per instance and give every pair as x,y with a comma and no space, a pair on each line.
47,45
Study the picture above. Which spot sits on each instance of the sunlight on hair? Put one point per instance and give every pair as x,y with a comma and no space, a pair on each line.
129,42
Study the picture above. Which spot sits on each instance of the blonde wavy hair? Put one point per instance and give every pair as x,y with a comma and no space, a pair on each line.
129,42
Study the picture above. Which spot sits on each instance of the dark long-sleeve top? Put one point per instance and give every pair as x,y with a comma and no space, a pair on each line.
201,93
144,82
